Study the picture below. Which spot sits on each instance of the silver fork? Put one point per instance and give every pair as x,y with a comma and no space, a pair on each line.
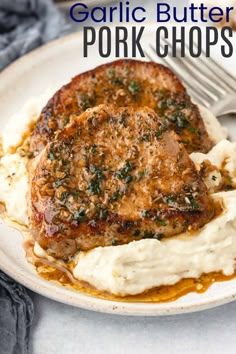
207,82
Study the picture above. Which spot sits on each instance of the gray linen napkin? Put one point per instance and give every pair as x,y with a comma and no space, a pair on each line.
26,24
16,315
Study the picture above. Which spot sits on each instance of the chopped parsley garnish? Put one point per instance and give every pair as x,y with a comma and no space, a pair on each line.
122,120
179,118
80,215
144,213
134,87
66,120
191,202
169,199
116,195
160,221
64,196
158,236
128,179
148,234
136,232
94,148
170,102
114,242
94,184
110,72
194,205
85,101
158,133
151,234
97,171
163,128
116,81
145,137
51,156
103,214
162,105
94,187
193,130
123,173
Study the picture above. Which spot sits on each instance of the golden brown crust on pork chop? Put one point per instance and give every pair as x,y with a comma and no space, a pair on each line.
114,175
125,83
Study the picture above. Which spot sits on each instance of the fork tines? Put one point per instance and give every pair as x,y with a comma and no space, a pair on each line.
206,81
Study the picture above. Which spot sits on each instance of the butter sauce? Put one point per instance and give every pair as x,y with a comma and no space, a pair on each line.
155,295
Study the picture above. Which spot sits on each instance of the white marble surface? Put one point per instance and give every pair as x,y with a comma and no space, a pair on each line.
62,329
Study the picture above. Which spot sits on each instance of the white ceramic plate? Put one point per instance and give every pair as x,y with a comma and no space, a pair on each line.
52,66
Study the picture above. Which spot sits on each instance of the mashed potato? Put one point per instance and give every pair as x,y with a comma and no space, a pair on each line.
223,158
13,172
213,126
14,187
141,265
20,122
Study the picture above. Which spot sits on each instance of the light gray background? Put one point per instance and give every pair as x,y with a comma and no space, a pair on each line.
62,329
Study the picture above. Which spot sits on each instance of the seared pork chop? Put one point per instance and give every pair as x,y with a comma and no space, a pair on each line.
125,83
114,175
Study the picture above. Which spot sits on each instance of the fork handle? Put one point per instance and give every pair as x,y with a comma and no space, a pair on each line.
225,106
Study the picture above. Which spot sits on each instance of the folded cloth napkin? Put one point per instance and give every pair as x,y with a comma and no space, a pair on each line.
26,24
16,314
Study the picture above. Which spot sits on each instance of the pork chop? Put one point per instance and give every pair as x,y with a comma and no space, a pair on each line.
114,175
125,83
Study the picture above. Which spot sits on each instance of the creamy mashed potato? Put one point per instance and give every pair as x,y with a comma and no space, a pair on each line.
14,187
20,122
139,265
13,172
215,130
222,157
